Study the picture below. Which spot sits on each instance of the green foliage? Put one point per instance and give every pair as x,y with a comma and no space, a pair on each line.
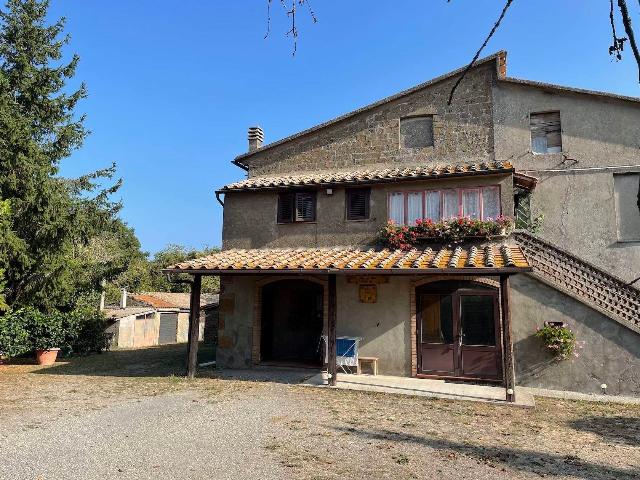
85,331
175,254
50,219
560,341
14,337
45,331
26,329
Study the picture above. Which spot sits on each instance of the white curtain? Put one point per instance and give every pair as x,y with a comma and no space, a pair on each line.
471,203
414,207
396,208
490,202
450,198
433,205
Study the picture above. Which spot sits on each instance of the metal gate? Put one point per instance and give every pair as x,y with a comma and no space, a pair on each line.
168,328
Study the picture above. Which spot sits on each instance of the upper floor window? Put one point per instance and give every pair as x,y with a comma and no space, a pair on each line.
476,202
357,203
627,197
546,136
416,132
297,207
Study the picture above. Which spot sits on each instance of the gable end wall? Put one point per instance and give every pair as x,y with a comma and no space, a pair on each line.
462,132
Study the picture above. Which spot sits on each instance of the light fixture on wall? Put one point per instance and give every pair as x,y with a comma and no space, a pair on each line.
603,387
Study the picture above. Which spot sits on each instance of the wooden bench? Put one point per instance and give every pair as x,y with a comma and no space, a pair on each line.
373,361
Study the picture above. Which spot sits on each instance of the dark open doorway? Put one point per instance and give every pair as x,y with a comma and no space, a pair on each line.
292,321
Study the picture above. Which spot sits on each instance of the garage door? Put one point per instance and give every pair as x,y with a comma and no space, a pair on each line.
168,328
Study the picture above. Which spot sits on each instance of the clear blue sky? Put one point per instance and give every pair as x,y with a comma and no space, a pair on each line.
173,85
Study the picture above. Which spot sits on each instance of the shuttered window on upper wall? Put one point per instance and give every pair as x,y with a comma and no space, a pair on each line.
546,135
296,207
627,200
357,203
416,132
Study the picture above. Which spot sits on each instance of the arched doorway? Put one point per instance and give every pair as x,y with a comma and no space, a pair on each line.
458,330
291,322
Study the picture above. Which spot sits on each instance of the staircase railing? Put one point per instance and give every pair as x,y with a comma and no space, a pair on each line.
592,285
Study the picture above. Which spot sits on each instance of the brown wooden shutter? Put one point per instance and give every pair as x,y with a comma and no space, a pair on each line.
285,207
358,203
305,207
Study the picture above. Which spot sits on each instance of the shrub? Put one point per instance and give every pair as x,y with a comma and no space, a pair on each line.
46,331
560,341
14,337
90,335
80,331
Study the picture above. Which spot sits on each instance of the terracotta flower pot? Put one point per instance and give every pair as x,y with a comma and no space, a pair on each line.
47,357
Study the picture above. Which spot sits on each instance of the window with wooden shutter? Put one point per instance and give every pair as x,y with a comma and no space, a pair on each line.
546,136
297,207
305,207
285,207
358,203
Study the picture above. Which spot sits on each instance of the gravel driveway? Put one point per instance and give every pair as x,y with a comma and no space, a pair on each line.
176,435
125,416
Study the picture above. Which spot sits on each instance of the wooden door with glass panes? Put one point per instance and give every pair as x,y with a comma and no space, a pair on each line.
458,332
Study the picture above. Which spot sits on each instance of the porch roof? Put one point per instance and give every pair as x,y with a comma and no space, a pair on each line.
479,259
368,176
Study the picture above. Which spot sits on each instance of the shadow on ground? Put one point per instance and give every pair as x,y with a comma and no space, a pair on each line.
539,463
625,430
166,361
160,361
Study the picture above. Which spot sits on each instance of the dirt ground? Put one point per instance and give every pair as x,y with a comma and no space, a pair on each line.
263,425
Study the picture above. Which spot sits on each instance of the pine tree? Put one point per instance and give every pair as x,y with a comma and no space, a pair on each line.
50,218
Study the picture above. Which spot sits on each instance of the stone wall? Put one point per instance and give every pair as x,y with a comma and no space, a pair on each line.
462,132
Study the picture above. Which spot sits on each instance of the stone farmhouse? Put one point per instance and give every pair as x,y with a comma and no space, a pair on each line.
303,260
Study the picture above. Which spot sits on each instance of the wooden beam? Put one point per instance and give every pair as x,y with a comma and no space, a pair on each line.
194,326
509,367
332,367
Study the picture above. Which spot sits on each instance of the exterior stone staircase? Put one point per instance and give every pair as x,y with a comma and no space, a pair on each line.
587,283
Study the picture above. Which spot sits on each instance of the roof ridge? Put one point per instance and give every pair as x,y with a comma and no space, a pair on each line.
565,88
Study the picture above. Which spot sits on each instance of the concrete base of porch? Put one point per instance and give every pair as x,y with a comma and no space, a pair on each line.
423,387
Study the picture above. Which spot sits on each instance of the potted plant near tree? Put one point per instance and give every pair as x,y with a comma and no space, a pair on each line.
46,335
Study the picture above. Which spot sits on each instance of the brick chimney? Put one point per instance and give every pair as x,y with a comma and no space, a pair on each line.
256,137
502,64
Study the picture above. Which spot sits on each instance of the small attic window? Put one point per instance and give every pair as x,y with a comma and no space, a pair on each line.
416,132
546,136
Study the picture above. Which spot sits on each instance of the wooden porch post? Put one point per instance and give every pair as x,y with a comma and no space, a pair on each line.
331,334
194,326
509,369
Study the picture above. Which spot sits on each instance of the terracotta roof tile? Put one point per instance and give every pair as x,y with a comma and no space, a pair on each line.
324,259
174,299
367,176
